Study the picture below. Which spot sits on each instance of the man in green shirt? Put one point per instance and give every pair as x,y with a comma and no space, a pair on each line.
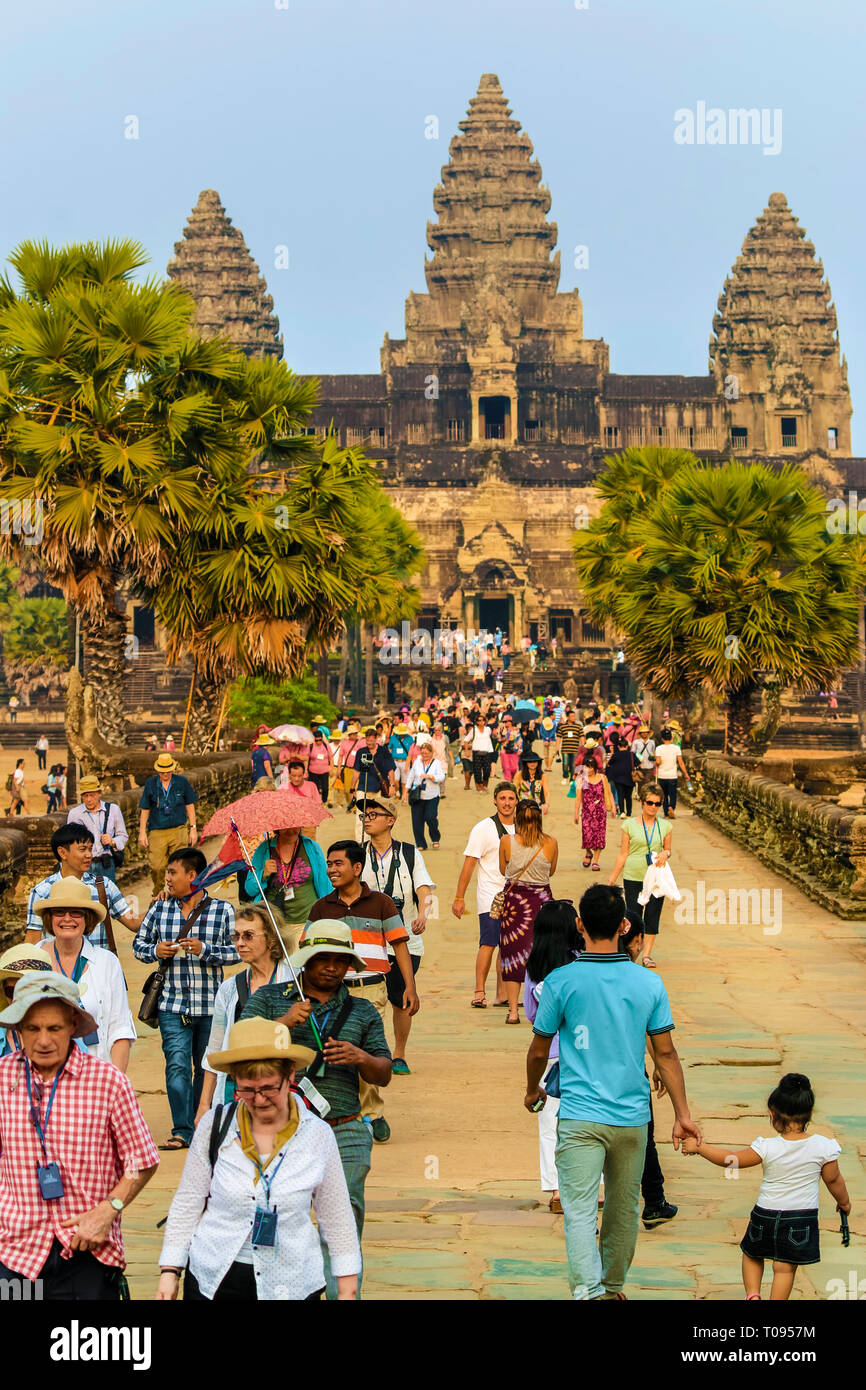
354,1046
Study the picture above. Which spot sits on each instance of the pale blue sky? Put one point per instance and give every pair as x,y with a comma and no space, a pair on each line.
309,120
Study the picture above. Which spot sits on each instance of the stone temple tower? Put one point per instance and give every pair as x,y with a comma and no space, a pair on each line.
492,305
212,264
775,346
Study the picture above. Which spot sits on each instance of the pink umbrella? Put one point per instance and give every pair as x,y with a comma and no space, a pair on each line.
262,813
292,733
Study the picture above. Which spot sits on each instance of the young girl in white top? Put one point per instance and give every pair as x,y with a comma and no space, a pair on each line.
783,1225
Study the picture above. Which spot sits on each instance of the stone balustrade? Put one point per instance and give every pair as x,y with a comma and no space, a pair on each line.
815,844
25,843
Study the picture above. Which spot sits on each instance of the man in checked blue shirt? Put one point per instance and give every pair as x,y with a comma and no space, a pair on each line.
195,974
72,845
605,1009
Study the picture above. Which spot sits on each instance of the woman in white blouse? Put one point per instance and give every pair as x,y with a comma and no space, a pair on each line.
259,948
69,915
425,778
243,1222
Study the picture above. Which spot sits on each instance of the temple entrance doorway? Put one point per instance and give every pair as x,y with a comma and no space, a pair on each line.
494,613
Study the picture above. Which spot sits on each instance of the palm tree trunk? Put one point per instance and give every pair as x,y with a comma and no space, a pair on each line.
367,645
103,644
740,721
344,667
205,711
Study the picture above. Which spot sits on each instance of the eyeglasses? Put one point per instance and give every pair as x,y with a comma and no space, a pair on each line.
652,803
270,1092
374,815
246,935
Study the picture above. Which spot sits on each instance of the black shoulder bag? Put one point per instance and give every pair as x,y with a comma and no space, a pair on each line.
148,1011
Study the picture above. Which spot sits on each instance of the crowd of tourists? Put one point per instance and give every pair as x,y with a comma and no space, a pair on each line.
276,1072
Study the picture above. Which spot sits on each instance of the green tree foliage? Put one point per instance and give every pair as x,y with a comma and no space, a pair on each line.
721,578
36,630
254,701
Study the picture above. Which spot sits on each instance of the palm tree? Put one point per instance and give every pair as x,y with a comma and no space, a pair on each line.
108,419
727,579
295,538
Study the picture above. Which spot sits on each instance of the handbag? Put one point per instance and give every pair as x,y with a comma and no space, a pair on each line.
499,901
414,796
148,1011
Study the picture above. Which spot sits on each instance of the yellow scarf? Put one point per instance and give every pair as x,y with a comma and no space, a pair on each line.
248,1143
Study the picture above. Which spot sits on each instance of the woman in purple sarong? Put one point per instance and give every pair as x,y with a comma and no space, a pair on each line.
527,859
594,803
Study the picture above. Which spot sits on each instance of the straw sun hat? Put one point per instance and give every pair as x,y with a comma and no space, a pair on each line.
72,893
165,763
19,959
258,1040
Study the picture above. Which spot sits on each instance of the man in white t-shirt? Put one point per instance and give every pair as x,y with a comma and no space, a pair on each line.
483,849
669,759
405,880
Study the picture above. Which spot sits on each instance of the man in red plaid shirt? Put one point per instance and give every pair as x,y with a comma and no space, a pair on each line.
74,1149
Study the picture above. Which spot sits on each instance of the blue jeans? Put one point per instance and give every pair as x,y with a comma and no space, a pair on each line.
354,1140
184,1043
585,1150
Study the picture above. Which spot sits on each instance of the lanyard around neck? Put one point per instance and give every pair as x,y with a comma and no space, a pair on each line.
649,838
41,1129
78,967
268,1178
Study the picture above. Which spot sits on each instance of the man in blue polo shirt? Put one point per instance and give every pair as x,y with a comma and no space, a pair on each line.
603,1007
167,820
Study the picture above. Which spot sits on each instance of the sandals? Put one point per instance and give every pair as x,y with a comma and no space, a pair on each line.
479,1002
555,1205
649,963
587,859
596,868
174,1144
515,1019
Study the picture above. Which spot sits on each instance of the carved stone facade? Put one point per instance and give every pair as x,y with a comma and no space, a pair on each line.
494,413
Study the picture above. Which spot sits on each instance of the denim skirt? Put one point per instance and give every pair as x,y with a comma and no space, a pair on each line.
790,1236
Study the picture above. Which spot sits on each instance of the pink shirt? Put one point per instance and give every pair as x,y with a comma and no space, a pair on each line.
320,762
307,790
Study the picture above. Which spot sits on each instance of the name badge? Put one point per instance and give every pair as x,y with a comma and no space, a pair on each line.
92,1039
264,1228
288,893
50,1182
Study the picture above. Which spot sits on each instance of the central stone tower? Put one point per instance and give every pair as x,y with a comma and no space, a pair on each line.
492,305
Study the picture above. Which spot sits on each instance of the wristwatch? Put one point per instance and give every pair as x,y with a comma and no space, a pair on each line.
116,1203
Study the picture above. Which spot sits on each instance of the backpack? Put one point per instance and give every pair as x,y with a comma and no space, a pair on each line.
9,782
223,1116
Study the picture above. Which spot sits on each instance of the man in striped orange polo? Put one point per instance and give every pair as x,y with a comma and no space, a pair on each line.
375,924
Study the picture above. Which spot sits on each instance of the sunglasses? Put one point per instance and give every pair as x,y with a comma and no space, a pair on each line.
246,935
652,803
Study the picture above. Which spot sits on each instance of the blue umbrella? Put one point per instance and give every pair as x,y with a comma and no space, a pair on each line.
527,707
